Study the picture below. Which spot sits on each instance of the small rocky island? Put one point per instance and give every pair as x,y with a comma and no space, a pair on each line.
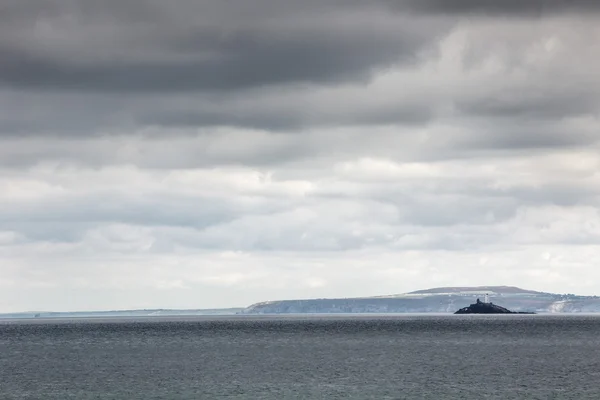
486,307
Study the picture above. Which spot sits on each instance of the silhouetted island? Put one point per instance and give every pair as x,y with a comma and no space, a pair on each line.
487,308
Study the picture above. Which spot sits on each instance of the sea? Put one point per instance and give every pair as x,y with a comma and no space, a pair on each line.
303,357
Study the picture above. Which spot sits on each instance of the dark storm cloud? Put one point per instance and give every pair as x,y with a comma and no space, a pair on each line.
78,69
497,7
190,46
246,61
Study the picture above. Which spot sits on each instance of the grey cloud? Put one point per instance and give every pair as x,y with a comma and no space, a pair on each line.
431,203
424,215
74,69
497,7
250,63
191,46
68,218
287,117
162,150
532,136
565,195
550,105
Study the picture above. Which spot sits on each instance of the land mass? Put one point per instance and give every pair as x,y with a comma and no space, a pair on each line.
436,300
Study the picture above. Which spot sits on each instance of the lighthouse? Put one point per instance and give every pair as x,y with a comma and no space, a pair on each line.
486,298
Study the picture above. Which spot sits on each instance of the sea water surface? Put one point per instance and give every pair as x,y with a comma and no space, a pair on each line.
303,357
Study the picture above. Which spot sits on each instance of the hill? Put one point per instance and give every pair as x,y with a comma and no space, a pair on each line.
436,300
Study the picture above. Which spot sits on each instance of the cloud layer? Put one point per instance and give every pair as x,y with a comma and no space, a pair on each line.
218,153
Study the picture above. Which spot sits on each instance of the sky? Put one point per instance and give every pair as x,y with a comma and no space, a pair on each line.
217,153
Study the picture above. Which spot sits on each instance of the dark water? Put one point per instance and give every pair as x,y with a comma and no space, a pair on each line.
416,357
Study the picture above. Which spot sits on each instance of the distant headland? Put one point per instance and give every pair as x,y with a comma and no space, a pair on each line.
441,300
436,300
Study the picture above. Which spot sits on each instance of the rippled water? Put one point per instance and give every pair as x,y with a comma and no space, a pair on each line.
403,357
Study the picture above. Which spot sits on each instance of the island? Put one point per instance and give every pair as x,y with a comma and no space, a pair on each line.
486,307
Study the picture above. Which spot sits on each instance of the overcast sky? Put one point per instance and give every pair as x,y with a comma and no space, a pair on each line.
215,153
